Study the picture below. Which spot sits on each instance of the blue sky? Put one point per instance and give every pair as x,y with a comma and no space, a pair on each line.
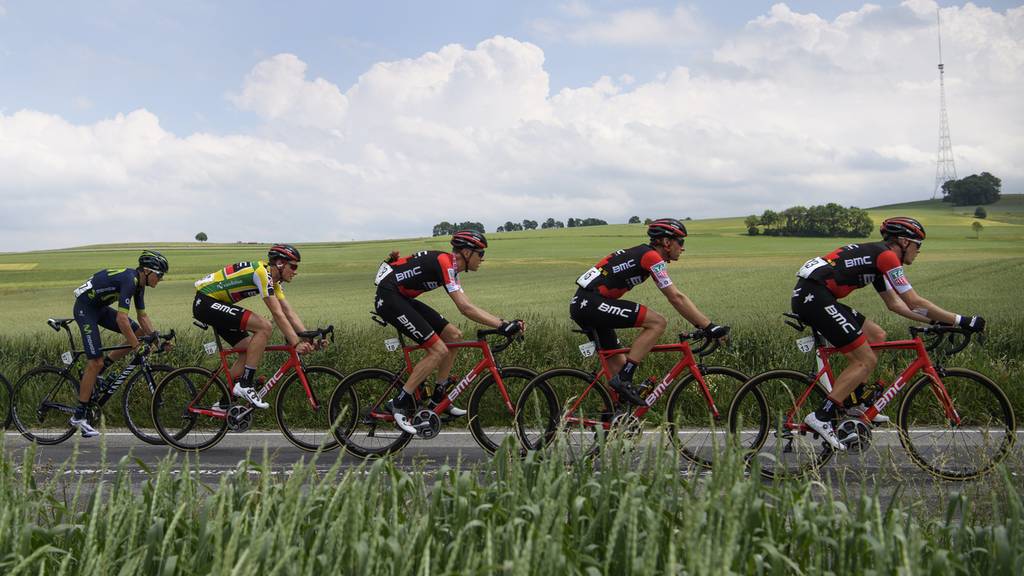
602,109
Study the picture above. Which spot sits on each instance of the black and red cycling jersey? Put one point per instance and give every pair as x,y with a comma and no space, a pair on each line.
623,270
854,266
419,273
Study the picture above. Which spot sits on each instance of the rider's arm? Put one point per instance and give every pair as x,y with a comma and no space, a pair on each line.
472,311
282,321
145,323
293,316
124,324
906,303
684,306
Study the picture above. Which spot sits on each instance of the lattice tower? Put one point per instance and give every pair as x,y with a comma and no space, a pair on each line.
945,168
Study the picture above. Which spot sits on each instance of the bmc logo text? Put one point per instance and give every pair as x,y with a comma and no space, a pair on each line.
225,308
840,319
613,310
624,266
404,321
858,261
408,274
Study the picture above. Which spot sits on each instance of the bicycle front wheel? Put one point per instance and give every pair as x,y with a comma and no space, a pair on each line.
964,450
492,409
44,400
584,417
137,403
304,418
696,432
190,408
767,418
357,412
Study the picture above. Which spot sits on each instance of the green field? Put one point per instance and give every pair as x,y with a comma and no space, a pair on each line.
736,279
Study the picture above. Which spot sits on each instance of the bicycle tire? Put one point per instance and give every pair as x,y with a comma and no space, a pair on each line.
983,438
137,404
771,448
362,434
491,420
44,400
6,397
692,428
583,417
305,427
178,426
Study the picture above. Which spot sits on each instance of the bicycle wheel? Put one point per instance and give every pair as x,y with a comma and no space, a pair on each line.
694,430
584,417
307,427
45,398
189,408
491,413
6,394
780,446
137,403
983,438
357,412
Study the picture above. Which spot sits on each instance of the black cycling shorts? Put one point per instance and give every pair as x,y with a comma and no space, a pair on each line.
228,321
89,318
410,316
817,307
600,315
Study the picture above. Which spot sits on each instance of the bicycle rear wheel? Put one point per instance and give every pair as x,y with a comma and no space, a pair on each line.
44,400
307,427
190,408
584,417
694,430
491,419
137,403
357,412
983,438
779,445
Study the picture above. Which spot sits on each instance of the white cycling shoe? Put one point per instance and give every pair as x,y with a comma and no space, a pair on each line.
87,430
249,394
859,410
826,430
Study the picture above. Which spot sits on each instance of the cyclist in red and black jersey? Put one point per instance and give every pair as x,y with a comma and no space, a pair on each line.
399,281
597,306
824,280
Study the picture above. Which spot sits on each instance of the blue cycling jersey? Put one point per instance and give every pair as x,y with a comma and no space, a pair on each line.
106,286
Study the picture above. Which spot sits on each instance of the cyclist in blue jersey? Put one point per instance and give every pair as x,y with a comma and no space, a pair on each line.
92,309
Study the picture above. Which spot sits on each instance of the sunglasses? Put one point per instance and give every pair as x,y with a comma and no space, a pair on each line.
158,273
293,266
480,252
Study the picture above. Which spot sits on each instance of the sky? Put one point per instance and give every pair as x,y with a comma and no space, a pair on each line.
133,121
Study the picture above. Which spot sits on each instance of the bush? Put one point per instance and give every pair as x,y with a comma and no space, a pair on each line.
980,212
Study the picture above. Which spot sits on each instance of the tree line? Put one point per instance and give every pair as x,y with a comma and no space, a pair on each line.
828,220
448,228
981,188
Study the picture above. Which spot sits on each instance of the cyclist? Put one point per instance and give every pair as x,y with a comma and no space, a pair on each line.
597,305
824,280
216,301
399,281
92,309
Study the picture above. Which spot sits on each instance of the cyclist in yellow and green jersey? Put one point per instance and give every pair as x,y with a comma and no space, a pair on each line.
216,301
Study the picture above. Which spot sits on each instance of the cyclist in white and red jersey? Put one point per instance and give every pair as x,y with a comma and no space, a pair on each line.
824,280
400,281
597,306
217,295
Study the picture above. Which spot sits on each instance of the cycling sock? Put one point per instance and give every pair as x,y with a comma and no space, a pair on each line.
80,411
404,399
247,375
827,412
626,374
440,389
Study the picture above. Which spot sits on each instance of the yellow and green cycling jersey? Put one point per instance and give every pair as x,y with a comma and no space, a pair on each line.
239,281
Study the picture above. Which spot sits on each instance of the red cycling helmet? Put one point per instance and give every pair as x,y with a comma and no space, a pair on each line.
902,227
469,239
286,251
666,228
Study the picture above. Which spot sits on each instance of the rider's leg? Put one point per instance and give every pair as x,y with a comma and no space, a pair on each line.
861,362
444,368
118,354
88,382
436,353
652,327
261,329
238,365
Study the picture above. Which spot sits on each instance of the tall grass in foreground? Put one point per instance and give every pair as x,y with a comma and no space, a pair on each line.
633,512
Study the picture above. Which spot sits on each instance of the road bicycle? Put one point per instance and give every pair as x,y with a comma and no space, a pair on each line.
368,430
591,410
193,408
953,422
46,397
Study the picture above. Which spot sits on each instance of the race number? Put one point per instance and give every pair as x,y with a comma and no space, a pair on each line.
210,348
83,288
392,344
810,266
382,273
587,350
67,358
805,344
587,277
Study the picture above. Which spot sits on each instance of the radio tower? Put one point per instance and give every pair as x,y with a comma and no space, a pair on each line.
945,169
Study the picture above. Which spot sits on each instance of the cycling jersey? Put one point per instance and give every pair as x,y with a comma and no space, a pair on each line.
854,266
240,281
106,286
622,270
419,273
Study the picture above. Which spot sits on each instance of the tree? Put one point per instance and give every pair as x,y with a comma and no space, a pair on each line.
634,219
443,229
981,188
977,227
500,229
202,237
529,224
751,223
980,212
552,223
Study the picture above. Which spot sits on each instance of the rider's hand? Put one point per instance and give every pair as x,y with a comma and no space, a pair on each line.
321,344
509,329
166,346
972,323
715,331
303,347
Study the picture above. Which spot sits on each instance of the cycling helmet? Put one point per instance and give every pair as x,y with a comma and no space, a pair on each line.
902,227
471,239
666,228
286,251
154,261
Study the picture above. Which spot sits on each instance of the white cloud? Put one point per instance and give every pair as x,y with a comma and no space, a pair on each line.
796,109
636,27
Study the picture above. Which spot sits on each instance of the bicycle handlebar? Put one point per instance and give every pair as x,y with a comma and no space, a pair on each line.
936,335
483,334
323,333
708,343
